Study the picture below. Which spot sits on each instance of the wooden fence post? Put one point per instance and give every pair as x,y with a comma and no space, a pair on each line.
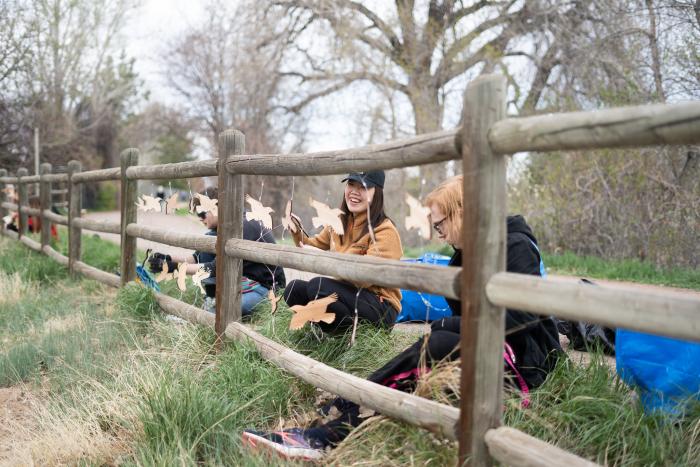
228,270
129,193
74,209
3,198
483,254
45,199
22,200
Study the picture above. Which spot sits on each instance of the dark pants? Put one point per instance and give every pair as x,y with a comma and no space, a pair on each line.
370,307
401,373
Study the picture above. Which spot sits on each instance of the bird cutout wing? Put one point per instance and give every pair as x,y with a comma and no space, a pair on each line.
182,276
164,275
287,222
314,311
207,204
7,219
327,216
418,218
273,300
259,212
170,204
148,203
199,276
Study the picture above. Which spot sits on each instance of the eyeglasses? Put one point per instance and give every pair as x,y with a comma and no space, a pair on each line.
438,225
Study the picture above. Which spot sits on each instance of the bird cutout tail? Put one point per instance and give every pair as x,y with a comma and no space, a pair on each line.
182,277
313,312
199,276
273,300
164,274
170,204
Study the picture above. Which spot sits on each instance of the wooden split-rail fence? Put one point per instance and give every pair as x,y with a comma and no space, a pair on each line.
484,288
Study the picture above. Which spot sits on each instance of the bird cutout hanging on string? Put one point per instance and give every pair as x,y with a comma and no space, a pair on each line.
207,204
199,276
259,212
273,300
182,277
327,216
148,203
313,312
418,218
164,274
171,204
287,222
7,220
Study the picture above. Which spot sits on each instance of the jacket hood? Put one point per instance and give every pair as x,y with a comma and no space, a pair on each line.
517,224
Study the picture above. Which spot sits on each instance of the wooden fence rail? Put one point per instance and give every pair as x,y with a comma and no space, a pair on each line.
482,285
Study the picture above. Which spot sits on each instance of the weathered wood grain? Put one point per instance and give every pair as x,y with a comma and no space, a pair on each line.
34,245
129,194
29,178
55,218
10,206
668,313
100,175
642,125
170,237
206,168
513,447
97,274
56,178
3,198
75,204
97,226
185,311
45,202
12,234
231,209
438,418
422,149
55,255
30,211
355,268
23,200
483,254
6,179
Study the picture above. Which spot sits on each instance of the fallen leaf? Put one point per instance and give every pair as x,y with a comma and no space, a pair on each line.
182,276
207,204
327,216
273,300
199,276
148,203
258,212
314,311
170,204
418,218
287,222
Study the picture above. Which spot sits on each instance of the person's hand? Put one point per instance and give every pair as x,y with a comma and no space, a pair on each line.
296,225
156,261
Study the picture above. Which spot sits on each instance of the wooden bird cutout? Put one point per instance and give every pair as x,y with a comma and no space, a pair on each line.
314,311
148,203
327,216
199,276
259,212
207,204
182,276
418,218
273,300
287,222
164,275
170,204
7,219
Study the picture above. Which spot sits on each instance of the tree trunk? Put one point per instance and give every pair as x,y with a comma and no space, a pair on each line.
428,118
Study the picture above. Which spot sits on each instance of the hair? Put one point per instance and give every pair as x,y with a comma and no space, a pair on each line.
376,211
212,193
448,198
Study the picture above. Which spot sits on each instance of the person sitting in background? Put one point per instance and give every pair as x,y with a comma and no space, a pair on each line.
534,340
258,279
363,208
34,222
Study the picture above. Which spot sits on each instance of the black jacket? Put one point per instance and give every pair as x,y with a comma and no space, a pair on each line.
265,274
534,338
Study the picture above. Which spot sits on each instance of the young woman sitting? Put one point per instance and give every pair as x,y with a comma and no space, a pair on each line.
363,208
257,279
533,339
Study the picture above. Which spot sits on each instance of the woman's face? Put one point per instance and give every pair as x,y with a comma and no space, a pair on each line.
357,197
210,220
444,227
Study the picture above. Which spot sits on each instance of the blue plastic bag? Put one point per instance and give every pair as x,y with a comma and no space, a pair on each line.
665,371
418,306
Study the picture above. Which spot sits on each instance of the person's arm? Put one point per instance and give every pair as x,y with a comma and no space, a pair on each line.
321,241
387,245
522,258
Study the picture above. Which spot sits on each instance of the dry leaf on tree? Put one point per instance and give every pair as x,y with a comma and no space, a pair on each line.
259,212
418,218
314,312
327,216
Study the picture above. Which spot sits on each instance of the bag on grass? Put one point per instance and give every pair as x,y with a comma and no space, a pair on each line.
419,306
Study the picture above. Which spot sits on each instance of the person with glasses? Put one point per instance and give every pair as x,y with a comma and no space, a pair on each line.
258,279
534,340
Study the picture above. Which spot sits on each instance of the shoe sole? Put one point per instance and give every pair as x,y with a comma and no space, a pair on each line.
258,443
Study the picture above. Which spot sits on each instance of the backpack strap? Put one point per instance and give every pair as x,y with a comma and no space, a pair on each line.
509,358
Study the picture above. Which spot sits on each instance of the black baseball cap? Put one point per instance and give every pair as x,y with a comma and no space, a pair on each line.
369,179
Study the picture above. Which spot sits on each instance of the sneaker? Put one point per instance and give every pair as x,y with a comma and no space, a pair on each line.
289,444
